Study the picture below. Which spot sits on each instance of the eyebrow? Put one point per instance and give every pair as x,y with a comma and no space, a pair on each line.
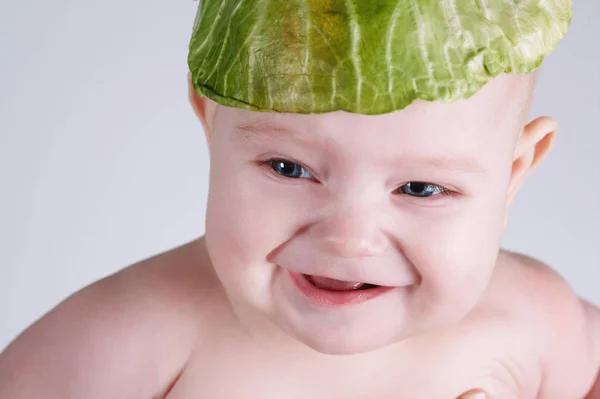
261,127
452,163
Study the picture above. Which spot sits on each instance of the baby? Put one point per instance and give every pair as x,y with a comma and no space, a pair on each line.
352,245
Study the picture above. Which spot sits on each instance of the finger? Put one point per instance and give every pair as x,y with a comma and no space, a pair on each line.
474,395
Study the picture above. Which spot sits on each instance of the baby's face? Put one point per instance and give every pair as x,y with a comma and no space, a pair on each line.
413,202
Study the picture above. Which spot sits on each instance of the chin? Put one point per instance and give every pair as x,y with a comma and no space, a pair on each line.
343,325
345,339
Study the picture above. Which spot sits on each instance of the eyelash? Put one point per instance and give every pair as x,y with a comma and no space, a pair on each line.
269,164
443,190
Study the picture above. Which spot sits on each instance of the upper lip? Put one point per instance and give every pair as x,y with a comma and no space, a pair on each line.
388,269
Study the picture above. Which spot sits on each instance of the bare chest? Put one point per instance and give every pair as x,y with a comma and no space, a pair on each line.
495,359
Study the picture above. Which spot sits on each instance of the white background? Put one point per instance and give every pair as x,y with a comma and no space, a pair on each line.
102,162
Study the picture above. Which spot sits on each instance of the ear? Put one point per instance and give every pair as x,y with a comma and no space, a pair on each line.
533,145
204,108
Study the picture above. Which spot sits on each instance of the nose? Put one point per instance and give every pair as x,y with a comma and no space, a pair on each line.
350,233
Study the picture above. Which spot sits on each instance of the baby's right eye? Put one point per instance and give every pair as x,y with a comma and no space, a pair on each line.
290,170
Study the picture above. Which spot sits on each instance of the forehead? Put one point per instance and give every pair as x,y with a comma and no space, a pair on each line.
484,120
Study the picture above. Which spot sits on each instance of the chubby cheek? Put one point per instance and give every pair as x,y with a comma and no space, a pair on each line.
455,255
248,216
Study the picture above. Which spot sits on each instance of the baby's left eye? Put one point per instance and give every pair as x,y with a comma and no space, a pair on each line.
420,189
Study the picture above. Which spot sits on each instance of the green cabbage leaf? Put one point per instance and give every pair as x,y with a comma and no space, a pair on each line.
365,56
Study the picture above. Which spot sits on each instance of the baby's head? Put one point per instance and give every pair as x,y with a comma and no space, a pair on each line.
402,212
415,199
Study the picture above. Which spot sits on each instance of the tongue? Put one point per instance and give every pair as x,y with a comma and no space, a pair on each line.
333,284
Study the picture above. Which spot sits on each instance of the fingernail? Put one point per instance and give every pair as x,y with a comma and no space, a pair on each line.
474,395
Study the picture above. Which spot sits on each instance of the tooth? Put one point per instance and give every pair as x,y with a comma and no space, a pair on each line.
331,284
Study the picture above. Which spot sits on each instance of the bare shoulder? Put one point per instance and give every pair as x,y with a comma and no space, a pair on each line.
126,335
545,305
593,313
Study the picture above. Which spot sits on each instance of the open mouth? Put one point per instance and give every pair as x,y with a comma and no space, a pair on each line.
330,284
329,292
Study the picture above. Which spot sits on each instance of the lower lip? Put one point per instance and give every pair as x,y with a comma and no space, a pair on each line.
322,297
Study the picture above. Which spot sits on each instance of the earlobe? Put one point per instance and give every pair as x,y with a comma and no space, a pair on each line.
533,145
204,108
